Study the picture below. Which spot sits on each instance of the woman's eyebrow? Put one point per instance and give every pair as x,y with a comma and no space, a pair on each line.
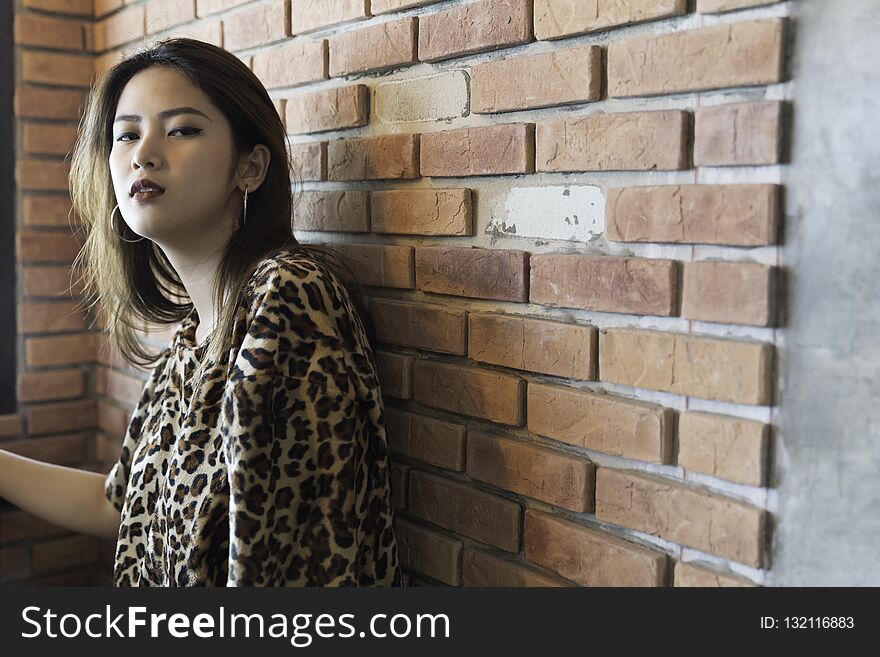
174,111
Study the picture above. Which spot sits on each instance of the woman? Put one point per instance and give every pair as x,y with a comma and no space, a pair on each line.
256,454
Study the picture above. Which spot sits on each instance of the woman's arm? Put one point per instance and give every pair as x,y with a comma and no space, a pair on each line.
68,497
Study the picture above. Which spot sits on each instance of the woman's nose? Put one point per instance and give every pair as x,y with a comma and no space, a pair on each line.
146,153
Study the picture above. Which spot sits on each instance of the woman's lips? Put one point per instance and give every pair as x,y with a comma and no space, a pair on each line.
147,195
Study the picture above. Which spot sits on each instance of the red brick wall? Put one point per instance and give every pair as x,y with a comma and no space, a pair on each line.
578,392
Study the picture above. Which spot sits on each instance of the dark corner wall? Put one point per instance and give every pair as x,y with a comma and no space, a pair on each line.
7,211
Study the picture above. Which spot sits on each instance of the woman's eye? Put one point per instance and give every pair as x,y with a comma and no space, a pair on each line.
191,131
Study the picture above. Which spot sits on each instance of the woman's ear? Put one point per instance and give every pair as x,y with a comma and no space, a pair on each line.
253,167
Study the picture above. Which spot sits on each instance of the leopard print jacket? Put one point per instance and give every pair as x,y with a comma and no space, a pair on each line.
279,473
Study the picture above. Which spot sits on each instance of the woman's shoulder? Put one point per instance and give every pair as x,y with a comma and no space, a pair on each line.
300,278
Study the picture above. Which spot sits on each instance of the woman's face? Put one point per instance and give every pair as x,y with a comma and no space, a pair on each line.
188,153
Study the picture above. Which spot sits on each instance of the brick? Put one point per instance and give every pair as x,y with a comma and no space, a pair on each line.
533,345
308,15
436,97
561,18
62,350
398,485
103,7
709,368
120,28
67,7
47,246
330,109
45,103
374,158
51,282
61,416
165,14
422,212
67,450
590,557
718,6
688,575
207,7
47,211
47,139
729,292
48,32
604,423
426,439
484,569
309,161
429,552
618,284
14,563
465,510
18,525
210,31
735,215
475,27
738,134
293,64
37,317
484,151
729,55
64,553
497,274
259,26
420,325
635,141
554,78
395,374
42,175
552,477
385,6
470,391
10,425
381,265
112,418
693,518
386,45
343,211
725,447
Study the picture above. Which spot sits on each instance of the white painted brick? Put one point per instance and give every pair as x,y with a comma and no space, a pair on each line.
437,97
564,212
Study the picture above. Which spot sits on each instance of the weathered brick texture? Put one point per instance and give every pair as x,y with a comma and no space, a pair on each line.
553,477
422,212
590,557
724,447
493,150
636,141
474,27
332,109
427,439
729,292
738,134
372,48
481,273
554,78
470,391
704,521
736,215
560,18
730,55
374,158
710,368
604,423
534,345
640,286
420,325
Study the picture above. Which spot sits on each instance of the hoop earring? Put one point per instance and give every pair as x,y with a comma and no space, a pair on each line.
244,218
113,228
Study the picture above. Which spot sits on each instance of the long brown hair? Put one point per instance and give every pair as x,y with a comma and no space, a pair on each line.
134,283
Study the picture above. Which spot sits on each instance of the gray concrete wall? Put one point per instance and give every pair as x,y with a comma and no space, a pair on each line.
828,455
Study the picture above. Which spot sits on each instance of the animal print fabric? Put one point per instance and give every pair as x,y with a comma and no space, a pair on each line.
279,475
